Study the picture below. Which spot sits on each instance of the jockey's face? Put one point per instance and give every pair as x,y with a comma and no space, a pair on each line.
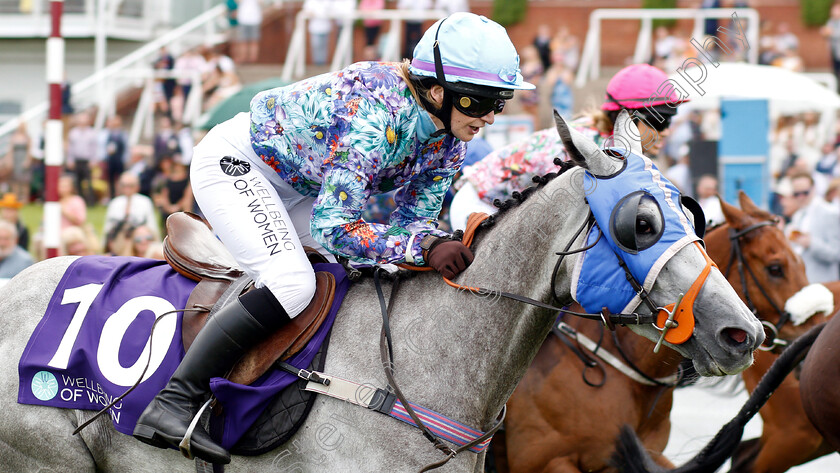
463,127
652,140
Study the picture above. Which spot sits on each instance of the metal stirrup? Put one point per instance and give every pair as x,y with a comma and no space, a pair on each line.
186,442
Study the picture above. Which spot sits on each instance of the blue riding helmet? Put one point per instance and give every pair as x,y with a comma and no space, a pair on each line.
473,50
472,58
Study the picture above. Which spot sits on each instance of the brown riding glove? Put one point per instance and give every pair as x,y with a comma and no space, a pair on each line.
448,257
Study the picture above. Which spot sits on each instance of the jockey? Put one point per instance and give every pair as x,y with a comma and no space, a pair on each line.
641,89
298,170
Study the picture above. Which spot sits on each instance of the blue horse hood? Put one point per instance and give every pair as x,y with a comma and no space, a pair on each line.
598,280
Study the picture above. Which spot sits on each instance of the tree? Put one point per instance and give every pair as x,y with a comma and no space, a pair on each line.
509,12
661,4
815,12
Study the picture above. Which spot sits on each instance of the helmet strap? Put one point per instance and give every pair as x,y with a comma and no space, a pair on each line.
615,100
444,114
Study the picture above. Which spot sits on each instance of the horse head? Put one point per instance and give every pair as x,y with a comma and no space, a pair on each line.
765,271
645,254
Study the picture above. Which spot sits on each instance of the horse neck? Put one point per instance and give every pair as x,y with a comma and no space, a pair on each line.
480,347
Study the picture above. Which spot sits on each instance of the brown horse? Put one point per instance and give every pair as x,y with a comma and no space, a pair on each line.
788,437
565,413
819,384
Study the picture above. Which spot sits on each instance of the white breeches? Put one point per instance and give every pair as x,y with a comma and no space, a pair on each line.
260,218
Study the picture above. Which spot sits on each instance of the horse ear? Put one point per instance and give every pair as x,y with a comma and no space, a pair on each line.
626,134
583,151
735,217
575,153
748,206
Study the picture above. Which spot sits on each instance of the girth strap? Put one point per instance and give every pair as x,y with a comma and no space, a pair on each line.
380,400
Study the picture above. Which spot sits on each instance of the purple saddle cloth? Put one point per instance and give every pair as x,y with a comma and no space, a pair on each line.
93,343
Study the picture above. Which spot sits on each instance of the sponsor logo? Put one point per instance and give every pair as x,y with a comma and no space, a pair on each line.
276,234
234,167
44,385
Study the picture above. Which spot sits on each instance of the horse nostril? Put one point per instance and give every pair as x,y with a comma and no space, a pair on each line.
737,335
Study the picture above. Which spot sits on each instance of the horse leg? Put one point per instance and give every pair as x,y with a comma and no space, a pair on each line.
782,450
569,465
661,460
561,465
656,446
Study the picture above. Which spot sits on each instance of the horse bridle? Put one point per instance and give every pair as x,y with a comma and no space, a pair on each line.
608,318
666,315
736,255
683,304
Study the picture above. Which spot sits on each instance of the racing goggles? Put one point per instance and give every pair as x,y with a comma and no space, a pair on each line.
659,122
478,106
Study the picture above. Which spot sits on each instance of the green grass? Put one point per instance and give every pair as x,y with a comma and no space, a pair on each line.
32,215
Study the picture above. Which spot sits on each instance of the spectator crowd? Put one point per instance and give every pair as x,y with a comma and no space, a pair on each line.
139,185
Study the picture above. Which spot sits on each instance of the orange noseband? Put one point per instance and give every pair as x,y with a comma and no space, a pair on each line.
680,332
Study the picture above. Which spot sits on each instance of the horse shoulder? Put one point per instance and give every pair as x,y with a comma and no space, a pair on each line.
820,382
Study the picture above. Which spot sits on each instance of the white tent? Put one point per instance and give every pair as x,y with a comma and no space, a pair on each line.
788,92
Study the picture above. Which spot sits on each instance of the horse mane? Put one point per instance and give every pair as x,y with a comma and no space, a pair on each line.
517,198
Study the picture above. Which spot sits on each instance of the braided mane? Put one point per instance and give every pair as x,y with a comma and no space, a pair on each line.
517,198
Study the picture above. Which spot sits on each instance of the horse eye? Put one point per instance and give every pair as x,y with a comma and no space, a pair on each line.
636,222
776,270
643,226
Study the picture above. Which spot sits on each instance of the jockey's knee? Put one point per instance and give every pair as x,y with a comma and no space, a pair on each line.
295,291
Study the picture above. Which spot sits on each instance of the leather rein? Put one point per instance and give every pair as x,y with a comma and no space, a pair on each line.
608,318
736,255
577,342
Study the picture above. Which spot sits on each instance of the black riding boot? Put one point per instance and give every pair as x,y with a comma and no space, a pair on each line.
220,343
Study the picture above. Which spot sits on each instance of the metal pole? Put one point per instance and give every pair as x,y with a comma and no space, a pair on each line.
53,132
99,60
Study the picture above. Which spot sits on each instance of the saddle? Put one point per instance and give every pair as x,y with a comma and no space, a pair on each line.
193,250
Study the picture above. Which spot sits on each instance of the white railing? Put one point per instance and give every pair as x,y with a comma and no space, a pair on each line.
295,66
80,18
142,126
86,92
590,65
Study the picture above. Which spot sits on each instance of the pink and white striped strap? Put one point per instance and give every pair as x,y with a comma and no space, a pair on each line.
386,403
442,426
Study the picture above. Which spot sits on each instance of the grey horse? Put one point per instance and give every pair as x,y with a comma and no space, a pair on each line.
455,352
